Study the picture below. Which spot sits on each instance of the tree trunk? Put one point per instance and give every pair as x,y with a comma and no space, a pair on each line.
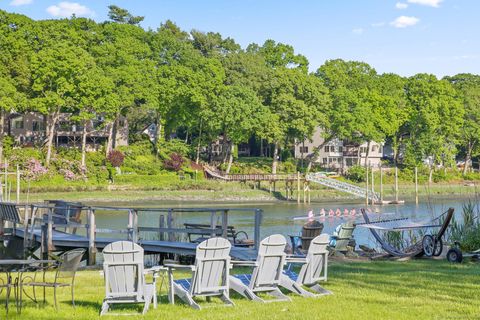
50,135
275,158
2,131
158,134
367,154
84,146
109,145
225,149
468,158
186,137
197,160
316,152
230,158
430,174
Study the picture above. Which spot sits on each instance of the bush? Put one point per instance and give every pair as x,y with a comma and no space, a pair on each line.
167,148
116,158
356,174
174,162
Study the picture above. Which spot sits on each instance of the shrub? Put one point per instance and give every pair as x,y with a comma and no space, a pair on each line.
174,162
356,173
116,158
34,169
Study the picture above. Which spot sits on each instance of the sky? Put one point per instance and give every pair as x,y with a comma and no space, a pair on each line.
404,37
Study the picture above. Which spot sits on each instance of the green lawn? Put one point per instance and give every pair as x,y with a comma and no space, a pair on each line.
424,289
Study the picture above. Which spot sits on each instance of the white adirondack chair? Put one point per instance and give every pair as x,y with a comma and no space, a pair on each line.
209,274
343,237
266,273
314,269
125,276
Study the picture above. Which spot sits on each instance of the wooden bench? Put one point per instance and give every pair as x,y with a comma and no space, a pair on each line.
205,230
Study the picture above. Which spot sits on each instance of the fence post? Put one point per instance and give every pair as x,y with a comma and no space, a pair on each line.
213,224
170,224
91,237
366,186
135,226
161,224
225,224
396,183
416,185
381,183
256,233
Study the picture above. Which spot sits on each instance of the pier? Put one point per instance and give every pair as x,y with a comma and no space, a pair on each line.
53,227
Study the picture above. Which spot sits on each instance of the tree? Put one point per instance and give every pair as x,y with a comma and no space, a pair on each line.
468,86
436,121
120,15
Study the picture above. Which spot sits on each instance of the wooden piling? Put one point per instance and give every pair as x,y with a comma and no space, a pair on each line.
18,184
366,186
416,185
161,225
396,184
372,182
298,187
381,183
92,250
224,223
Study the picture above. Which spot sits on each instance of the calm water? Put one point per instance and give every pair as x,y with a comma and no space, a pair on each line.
277,217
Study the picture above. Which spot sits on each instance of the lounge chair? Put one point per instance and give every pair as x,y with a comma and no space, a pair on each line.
314,269
209,274
339,242
267,271
125,276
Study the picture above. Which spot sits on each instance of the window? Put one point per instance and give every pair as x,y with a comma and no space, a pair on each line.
38,126
340,149
303,149
327,148
363,149
374,148
18,124
325,160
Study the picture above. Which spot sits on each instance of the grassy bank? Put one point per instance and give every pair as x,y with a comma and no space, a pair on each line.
211,190
424,289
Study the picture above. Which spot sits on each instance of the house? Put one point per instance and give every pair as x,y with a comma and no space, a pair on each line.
29,129
338,154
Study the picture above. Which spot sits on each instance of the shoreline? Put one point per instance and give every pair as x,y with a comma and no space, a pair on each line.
235,194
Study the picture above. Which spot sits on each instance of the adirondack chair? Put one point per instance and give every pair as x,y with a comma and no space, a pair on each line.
209,274
314,269
267,271
125,276
344,235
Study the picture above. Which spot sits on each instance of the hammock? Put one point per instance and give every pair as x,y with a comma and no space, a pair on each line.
414,250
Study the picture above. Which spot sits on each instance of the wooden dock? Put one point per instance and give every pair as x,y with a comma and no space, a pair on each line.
40,226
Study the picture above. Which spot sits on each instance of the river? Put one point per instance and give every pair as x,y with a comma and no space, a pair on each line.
278,217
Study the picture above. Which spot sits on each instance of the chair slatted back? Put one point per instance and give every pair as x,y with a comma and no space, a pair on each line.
270,262
9,212
69,263
211,266
311,272
123,269
344,236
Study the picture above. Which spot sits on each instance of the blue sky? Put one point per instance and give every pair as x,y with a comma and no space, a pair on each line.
405,36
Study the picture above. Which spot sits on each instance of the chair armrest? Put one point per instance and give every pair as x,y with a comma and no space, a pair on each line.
244,263
173,266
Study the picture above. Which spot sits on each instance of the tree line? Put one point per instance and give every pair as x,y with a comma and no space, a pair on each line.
204,85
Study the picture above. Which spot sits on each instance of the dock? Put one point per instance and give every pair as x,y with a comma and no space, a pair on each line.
53,228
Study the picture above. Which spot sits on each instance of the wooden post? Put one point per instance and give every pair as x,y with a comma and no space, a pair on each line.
92,250
416,185
130,225
366,187
298,187
396,183
372,182
5,179
135,226
256,233
225,224
170,224
213,224
161,225
381,183
18,184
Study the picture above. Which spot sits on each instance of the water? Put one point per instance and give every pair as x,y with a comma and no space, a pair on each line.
277,216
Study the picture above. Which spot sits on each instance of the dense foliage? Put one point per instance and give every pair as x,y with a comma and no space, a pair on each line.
197,86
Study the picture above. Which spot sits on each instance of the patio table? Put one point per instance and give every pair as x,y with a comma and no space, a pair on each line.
12,266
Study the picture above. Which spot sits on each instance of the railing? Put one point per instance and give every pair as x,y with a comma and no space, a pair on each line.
44,217
322,179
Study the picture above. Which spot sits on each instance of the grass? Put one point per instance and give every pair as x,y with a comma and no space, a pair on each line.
421,289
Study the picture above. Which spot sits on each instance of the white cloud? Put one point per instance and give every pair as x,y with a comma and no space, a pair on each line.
404,21
20,2
430,3
358,30
401,5
67,9
378,24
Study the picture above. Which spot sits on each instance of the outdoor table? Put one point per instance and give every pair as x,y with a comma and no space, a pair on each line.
9,266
